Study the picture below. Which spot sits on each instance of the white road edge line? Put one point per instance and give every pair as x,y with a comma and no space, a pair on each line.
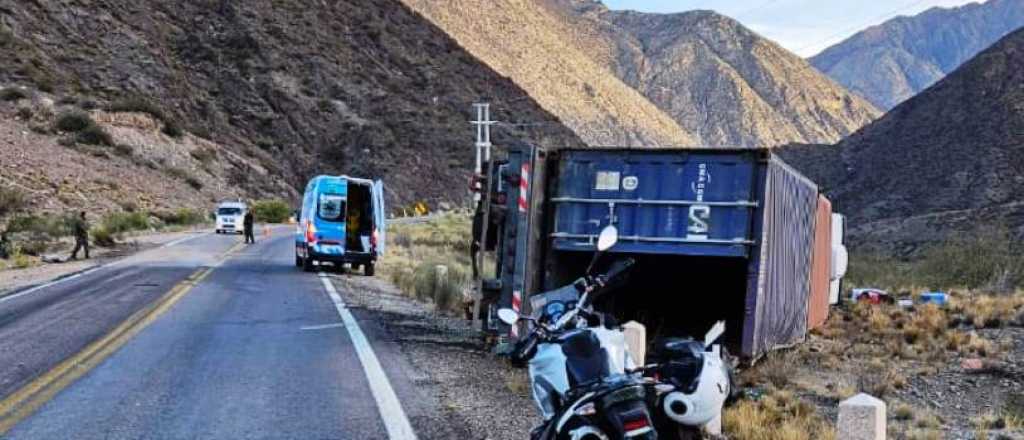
391,412
91,270
322,326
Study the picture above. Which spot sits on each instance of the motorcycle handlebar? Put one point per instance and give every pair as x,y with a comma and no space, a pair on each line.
618,268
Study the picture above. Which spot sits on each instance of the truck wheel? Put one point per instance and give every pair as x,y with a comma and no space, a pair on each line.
307,264
368,269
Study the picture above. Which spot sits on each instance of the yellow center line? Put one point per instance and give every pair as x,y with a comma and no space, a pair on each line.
24,402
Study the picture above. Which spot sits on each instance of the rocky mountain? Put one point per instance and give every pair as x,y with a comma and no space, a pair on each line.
281,89
720,82
893,61
523,41
949,159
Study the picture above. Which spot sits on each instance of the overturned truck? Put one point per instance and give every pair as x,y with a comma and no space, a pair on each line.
718,234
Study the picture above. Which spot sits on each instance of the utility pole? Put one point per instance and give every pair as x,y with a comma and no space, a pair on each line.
483,125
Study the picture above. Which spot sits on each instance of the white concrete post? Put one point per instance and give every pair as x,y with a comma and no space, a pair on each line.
861,417
440,278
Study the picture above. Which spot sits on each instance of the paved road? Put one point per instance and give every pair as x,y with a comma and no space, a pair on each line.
255,349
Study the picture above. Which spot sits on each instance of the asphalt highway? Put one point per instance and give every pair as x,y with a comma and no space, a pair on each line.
205,339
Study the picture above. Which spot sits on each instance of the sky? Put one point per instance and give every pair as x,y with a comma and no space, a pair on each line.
805,27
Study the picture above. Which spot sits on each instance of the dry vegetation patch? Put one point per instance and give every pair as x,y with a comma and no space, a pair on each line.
416,250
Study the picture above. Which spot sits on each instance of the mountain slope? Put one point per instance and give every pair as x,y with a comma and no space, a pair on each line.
950,158
891,62
367,88
715,77
522,41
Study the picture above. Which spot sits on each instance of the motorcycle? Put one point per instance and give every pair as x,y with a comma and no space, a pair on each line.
689,383
585,383
581,373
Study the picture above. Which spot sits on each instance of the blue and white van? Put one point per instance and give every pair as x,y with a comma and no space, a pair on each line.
342,221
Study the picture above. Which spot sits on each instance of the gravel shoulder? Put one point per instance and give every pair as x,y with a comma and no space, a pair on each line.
12,280
476,390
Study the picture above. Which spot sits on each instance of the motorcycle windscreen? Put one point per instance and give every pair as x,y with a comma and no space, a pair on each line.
586,360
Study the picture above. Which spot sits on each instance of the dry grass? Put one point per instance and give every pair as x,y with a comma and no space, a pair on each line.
416,250
779,415
518,382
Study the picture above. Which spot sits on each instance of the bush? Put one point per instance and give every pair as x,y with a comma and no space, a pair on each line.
121,222
21,261
446,296
12,200
136,104
73,121
182,217
987,259
25,112
172,129
39,227
194,182
95,135
204,155
12,94
271,211
102,237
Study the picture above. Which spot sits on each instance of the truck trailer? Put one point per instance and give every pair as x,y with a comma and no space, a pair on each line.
718,234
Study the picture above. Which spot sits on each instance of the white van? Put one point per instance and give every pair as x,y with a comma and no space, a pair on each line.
230,216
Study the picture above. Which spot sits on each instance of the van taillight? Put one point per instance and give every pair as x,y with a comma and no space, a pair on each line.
373,239
310,232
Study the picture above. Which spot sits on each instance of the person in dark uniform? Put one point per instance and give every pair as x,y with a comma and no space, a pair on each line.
80,227
247,222
5,246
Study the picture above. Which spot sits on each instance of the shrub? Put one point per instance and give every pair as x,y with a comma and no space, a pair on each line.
123,150
12,94
172,129
102,237
12,200
73,121
183,217
446,296
271,211
120,222
25,112
194,182
40,227
136,104
94,135
21,261
204,155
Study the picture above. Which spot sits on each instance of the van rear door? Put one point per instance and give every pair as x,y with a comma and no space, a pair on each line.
379,216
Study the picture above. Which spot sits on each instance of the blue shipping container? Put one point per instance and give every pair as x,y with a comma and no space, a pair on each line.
677,203
715,228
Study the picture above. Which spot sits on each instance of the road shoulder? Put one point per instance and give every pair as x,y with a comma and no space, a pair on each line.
441,359
13,281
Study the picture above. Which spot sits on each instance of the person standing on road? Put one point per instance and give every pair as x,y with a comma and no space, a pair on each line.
247,222
80,227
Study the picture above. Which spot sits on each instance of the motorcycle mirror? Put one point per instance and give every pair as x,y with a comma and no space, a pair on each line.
508,316
609,236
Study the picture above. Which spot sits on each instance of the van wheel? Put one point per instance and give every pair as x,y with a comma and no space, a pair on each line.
298,261
307,264
368,269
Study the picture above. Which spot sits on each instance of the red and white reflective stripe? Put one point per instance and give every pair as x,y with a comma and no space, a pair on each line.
517,300
524,186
